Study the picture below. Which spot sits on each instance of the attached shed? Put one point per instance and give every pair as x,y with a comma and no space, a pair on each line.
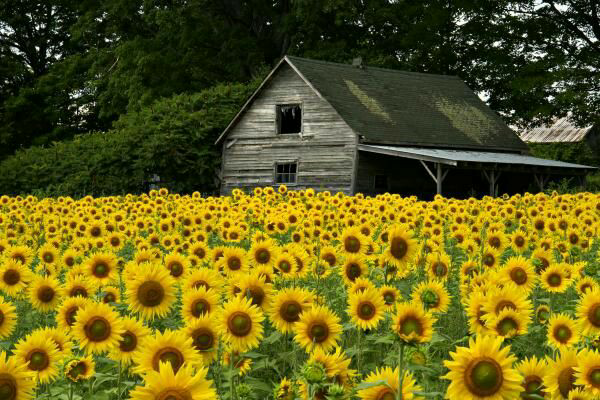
562,130
354,128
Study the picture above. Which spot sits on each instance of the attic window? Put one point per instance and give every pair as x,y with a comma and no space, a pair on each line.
289,118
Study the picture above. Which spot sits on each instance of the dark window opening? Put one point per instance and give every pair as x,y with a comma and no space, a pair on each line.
381,183
289,118
286,173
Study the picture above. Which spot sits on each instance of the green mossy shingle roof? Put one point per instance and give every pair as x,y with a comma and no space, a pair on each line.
394,107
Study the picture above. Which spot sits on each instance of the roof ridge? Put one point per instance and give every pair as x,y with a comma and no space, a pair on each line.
368,67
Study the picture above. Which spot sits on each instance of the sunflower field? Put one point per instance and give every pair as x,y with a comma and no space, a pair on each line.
286,295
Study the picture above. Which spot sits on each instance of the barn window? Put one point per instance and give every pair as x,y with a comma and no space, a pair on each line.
380,183
289,118
286,172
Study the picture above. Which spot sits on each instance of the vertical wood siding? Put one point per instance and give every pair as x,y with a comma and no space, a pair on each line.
325,153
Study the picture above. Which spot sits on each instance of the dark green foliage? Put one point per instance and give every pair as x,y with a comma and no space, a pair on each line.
172,138
577,153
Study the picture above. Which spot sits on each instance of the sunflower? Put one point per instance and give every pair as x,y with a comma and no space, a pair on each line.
390,296
586,283
14,277
240,323
476,314
134,332
61,339
203,277
152,292
43,293
80,369
366,308
68,310
200,250
519,241
16,380
205,337
587,373
173,347
412,323
499,299
111,294
198,303
285,265
97,328
432,295
22,254
48,255
401,247
482,370
317,327
177,265
79,286
520,272
438,266
240,362
354,267
542,314
560,376
254,287
286,307
384,384
533,371
554,279
8,318
40,354
490,258
329,255
101,268
496,240
508,323
588,312
563,331
263,253
179,384
336,364
353,242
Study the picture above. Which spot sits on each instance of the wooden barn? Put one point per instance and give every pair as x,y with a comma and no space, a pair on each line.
562,130
355,128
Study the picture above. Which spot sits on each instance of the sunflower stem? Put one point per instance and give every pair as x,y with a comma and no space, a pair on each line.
400,370
119,381
71,391
231,363
359,355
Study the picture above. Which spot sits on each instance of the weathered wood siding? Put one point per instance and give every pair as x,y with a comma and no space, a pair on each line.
325,153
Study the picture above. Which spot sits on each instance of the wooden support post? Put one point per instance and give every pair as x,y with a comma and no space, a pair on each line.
492,178
541,181
438,177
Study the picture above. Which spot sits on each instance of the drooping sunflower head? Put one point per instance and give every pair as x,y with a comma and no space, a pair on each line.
317,327
482,370
412,323
80,369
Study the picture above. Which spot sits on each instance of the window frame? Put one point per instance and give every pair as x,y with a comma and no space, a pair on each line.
278,119
284,162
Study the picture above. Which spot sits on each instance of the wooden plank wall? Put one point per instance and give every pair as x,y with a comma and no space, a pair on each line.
325,153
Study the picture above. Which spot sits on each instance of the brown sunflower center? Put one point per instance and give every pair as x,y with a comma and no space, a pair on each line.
518,275
483,377
128,342
78,291
79,369
174,394
11,277
329,258
239,324
352,244
594,315
8,387
562,333
1,318
573,238
290,311
554,280
38,360
70,315
532,384
200,307
489,260
109,298
543,315
566,381
366,310
45,294
200,283
257,294
203,339
285,266
430,299
389,298
150,293
520,241
439,269
398,248
386,394
318,331
505,304
353,271
176,269
495,242
263,256
97,329
506,325
100,270
410,325
593,377
95,231
170,355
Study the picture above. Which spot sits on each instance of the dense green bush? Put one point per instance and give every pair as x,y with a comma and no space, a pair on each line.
173,139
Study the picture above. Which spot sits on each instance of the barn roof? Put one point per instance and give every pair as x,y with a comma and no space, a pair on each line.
391,107
563,130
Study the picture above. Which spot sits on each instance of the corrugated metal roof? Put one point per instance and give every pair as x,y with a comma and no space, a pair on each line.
561,131
453,157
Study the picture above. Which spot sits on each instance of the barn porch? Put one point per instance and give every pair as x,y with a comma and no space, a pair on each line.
455,173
